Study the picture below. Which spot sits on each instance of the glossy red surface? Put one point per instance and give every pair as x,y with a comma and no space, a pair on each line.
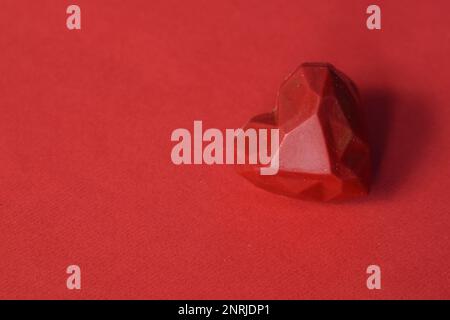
323,154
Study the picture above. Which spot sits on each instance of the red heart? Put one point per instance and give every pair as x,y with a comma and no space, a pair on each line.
323,153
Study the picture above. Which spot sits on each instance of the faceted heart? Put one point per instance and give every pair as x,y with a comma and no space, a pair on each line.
323,153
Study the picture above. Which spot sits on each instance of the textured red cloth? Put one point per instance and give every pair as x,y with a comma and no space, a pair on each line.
86,176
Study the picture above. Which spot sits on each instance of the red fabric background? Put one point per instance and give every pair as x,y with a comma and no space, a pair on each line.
85,170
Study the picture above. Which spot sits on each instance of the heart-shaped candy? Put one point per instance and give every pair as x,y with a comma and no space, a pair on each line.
323,150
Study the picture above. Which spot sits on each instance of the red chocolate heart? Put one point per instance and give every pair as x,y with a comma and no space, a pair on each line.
323,153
